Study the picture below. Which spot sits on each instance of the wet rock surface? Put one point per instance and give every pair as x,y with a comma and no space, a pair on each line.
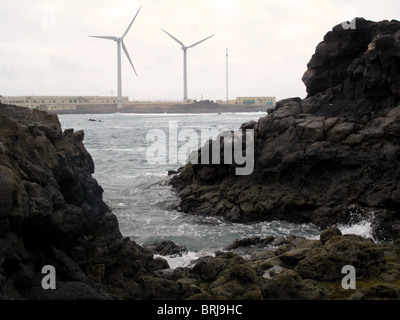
166,248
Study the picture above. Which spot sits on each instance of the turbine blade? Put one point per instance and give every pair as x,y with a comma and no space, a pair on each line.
127,55
195,44
127,30
180,42
105,37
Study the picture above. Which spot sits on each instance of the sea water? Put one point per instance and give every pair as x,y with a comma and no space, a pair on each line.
138,193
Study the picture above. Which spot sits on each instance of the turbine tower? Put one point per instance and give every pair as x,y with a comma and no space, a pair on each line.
227,79
120,43
185,48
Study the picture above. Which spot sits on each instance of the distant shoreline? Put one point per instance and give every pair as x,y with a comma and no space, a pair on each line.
162,108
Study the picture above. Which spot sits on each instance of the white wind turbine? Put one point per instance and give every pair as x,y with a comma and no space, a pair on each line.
120,42
185,48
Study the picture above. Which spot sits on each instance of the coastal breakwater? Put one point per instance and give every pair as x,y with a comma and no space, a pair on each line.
329,158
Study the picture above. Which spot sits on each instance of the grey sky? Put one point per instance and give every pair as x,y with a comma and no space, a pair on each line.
45,48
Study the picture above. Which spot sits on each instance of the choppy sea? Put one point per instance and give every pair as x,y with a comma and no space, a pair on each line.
143,202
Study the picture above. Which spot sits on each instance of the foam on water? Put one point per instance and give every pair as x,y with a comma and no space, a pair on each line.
362,228
186,259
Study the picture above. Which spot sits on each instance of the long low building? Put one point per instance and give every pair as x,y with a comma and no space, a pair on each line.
60,102
259,101
270,101
65,103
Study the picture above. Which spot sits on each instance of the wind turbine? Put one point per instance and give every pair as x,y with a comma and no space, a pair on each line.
185,48
120,43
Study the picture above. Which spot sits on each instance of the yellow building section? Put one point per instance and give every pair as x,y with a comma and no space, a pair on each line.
270,101
59,102
59,107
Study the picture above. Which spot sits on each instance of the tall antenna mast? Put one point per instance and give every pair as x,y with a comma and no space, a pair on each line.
227,83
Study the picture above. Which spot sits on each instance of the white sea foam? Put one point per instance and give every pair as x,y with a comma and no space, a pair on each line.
360,224
186,259
362,228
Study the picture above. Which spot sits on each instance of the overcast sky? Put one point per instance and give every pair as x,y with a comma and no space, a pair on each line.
45,48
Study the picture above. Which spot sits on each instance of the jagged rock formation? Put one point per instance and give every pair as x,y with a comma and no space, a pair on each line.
52,213
327,158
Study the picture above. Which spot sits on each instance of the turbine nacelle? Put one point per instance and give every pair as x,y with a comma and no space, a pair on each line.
181,43
185,48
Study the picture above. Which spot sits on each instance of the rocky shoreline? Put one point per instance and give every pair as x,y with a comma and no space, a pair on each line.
52,213
328,158
325,159
287,268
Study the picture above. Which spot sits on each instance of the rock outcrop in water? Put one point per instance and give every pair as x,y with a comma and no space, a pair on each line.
329,158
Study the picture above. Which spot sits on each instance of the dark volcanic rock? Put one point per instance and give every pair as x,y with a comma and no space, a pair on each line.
325,263
166,248
329,234
319,157
52,213
294,268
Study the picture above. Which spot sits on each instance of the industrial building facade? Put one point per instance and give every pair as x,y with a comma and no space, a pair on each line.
54,103
60,103
269,101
